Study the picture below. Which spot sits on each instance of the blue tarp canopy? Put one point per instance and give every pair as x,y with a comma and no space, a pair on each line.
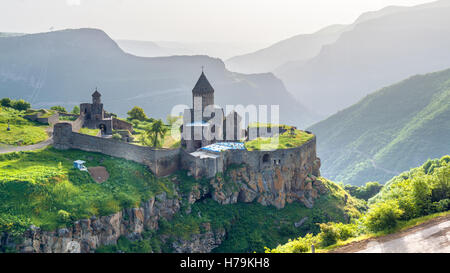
78,164
223,146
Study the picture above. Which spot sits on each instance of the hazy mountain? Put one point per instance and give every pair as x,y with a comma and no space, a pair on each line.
64,67
303,47
388,132
380,49
166,48
147,49
300,47
10,34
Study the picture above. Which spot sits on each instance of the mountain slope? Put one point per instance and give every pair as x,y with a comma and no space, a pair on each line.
376,52
389,131
63,68
300,47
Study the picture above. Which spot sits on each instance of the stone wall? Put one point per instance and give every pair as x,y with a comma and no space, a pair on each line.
77,124
161,162
121,125
200,166
53,119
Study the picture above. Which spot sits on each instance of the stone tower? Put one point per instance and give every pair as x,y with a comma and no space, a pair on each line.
204,91
97,112
96,97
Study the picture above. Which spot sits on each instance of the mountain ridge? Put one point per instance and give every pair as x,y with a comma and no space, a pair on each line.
79,60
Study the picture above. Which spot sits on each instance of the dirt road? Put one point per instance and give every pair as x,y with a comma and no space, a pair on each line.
430,237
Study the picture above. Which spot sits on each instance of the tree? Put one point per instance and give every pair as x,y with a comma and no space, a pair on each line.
59,109
154,134
172,119
5,102
76,110
383,216
21,105
137,113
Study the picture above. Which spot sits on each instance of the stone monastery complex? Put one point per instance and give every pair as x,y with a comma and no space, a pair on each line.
203,153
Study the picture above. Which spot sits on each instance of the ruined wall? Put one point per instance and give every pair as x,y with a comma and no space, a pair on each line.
161,162
53,119
121,125
77,124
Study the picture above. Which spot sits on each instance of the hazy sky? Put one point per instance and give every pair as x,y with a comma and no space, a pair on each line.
235,21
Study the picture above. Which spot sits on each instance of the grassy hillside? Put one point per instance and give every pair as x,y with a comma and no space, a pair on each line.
42,188
23,132
286,140
406,200
388,132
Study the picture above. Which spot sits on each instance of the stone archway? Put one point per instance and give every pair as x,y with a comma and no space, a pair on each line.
102,128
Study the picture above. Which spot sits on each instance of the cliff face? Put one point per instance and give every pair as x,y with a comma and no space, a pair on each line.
272,187
274,184
88,234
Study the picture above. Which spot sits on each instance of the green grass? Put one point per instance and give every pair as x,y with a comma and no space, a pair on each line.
35,186
286,140
91,132
67,118
23,132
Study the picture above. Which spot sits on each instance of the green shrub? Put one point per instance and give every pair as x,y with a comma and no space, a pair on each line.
329,235
442,205
364,192
5,102
59,109
117,136
63,216
76,110
299,245
20,105
383,216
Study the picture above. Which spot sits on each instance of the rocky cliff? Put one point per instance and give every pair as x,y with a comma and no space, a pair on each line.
274,185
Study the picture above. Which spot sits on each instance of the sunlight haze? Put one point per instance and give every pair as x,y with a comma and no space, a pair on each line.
252,22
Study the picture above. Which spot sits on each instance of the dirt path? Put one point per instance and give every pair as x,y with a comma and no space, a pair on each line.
430,237
37,146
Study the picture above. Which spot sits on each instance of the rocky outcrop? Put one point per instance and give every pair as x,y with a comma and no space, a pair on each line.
275,186
88,234
204,242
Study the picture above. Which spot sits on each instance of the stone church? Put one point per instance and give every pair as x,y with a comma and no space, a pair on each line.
205,123
95,117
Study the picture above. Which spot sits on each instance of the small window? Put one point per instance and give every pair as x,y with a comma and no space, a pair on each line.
266,158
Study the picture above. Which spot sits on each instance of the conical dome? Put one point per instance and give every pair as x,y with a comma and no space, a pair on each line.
202,86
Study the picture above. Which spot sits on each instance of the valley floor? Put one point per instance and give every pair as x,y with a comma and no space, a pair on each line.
430,237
